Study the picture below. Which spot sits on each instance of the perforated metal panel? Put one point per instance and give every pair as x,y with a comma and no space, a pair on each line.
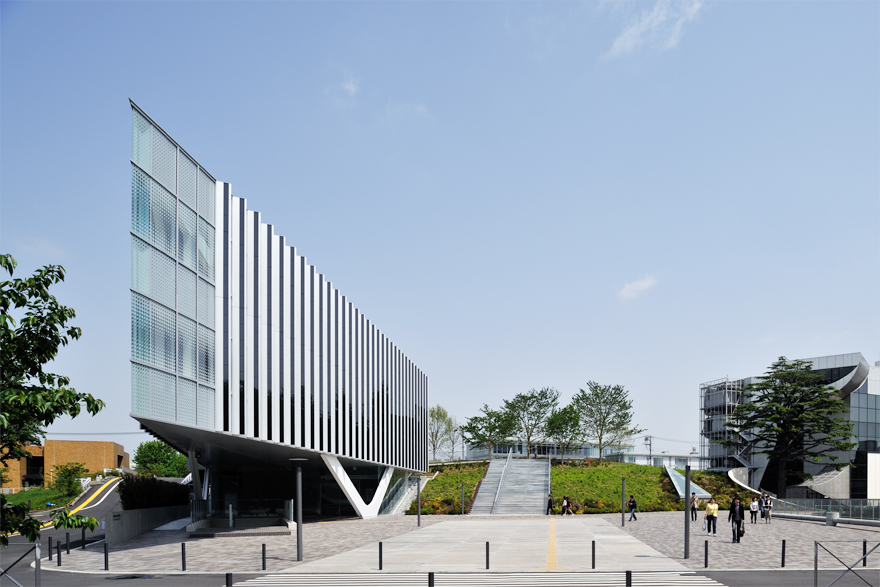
140,265
162,334
140,140
162,271
186,292
162,213
164,161
186,347
140,390
206,355
186,180
206,303
140,202
186,236
206,250
140,328
206,197
162,395
186,401
207,409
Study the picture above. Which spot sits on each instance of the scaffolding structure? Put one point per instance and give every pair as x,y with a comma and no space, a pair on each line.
718,399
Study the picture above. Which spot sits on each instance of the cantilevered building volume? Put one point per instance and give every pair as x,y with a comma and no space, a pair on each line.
245,358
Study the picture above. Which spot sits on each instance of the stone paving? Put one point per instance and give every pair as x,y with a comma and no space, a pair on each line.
159,551
760,548
661,533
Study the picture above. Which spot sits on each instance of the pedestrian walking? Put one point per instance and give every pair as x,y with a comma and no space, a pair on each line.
564,505
737,518
549,504
632,506
768,509
761,501
753,509
711,517
695,505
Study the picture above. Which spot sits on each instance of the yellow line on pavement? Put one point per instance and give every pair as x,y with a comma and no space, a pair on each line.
105,487
551,549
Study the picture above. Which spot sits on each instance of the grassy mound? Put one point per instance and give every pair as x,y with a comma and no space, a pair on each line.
39,497
594,488
443,494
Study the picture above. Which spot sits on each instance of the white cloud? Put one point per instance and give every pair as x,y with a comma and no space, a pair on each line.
634,289
350,85
661,27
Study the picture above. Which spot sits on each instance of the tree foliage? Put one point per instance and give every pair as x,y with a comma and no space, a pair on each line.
530,411
606,412
791,416
158,459
439,429
65,478
564,429
30,397
490,429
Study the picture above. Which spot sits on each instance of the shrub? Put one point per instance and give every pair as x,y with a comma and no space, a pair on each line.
65,478
148,492
443,494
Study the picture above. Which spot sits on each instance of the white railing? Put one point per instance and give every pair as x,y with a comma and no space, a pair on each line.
501,480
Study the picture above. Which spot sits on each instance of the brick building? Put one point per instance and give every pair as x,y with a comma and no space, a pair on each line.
95,455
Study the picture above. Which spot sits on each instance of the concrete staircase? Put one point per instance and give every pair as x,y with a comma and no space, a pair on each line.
486,494
523,491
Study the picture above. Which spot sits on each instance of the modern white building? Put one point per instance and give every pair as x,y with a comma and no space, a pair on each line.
857,384
247,359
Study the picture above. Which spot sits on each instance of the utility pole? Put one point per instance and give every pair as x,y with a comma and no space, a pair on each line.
649,443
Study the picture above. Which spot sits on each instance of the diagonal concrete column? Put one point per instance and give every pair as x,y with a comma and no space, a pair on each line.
193,465
363,509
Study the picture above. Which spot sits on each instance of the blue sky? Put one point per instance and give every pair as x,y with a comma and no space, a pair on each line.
654,194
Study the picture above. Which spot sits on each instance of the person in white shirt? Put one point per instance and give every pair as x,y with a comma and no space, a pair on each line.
753,508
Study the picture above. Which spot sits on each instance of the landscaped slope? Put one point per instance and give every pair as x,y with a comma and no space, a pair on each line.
442,495
594,487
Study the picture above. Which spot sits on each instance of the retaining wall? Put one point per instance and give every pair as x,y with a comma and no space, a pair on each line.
127,524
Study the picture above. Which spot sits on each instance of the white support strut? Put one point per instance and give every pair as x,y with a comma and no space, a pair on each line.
363,509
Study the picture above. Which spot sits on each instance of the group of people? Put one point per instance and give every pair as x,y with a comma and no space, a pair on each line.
566,505
736,516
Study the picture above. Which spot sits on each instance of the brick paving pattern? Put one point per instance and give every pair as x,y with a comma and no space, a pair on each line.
760,548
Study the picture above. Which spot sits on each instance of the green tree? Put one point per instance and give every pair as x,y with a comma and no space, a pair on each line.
439,429
490,429
30,397
791,416
564,429
156,458
65,478
530,411
606,411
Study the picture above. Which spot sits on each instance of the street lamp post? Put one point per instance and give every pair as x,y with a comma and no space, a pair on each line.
299,509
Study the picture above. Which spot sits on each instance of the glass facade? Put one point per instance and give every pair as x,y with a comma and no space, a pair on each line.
172,280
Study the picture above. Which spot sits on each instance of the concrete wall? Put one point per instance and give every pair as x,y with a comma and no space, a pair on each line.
127,524
873,475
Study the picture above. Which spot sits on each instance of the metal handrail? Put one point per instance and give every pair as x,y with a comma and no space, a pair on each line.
549,472
501,480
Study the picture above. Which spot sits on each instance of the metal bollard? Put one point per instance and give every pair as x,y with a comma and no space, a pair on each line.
629,579
183,556
228,579
50,548
430,579
59,554
106,557
783,554
706,554
594,554
487,556
264,556
67,547
380,556
864,553
83,547
38,581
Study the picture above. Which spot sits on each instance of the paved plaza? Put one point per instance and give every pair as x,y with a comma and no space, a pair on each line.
760,548
452,545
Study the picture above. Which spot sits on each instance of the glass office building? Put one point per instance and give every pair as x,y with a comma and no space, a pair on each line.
857,384
245,357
